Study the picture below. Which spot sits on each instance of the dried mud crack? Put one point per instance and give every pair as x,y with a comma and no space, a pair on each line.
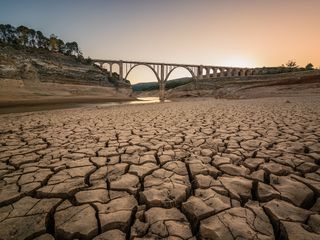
205,169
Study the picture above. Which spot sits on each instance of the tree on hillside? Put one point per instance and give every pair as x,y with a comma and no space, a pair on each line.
53,43
43,42
72,48
27,37
60,45
2,33
32,38
8,34
23,32
309,66
291,64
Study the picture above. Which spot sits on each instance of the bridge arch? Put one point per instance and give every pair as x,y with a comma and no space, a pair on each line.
141,64
222,72
114,68
248,72
183,67
211,71
234,72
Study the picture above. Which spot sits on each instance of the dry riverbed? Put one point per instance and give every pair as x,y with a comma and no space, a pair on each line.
194,169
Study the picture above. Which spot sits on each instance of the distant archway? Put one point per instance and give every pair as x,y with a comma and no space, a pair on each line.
182,67
146,65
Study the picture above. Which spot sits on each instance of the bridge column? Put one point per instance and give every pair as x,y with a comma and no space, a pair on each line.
162,84
208,72
221,72
121,70
229,72
234,72
200,72
110,73
215,72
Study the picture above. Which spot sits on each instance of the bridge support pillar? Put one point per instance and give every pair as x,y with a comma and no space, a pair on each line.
229,72
200,72
208,71
222,72
162,84
215,73
121,70
110,73
161,91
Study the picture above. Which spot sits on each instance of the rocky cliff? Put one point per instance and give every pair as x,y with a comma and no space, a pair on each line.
30,71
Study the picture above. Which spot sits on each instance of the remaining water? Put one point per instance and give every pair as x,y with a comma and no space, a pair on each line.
44,107
140,100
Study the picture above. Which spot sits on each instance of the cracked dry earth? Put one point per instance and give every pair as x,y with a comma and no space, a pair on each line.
200,169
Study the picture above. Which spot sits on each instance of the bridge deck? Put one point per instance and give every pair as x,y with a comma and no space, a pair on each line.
161,63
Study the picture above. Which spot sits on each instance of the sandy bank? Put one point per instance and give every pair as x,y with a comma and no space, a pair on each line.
17,95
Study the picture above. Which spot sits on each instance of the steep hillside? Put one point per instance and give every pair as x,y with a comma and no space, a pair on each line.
27,73
53,67
36,67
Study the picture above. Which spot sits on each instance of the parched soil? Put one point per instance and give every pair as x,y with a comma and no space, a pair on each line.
194,169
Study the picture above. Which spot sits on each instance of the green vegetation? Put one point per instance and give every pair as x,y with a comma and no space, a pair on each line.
149,86
25,37
292,64
309,66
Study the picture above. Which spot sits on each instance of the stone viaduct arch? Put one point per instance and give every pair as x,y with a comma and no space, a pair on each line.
136,65
191,71
163,71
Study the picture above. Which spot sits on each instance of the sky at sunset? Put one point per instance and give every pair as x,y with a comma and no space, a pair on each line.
240,33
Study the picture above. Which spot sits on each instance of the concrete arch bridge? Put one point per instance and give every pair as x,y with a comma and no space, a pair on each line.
163,71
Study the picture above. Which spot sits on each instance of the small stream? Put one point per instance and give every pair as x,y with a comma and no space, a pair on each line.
140,100
54,106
